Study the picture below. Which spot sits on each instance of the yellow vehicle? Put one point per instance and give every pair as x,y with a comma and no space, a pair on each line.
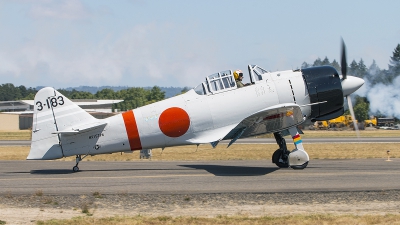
371,122
321,125
341,121
380,122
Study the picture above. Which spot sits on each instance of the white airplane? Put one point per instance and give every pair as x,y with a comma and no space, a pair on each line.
215,110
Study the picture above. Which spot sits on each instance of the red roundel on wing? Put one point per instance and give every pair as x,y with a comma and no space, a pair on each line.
174,122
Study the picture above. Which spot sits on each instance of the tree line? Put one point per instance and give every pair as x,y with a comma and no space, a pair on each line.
373,74
133,97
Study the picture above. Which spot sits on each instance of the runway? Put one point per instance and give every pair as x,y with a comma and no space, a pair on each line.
169,177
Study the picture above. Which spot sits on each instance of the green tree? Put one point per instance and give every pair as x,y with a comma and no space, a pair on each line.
155,95
23,91
305,65
66,93
386,76
361,109
394,66
133,98
336,65
362,69
353,68
325,62
106,93
30,96
8,92
184,90
82,95
74,94
317,62
373,73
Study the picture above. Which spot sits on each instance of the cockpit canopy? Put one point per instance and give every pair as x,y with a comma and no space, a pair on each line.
224,80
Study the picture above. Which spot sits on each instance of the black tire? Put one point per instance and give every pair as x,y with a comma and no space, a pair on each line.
278,155
75,169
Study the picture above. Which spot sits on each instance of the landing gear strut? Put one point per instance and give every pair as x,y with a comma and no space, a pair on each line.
78,159
281,155
283,158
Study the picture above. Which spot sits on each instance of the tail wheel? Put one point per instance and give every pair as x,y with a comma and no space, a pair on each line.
75,169
280,158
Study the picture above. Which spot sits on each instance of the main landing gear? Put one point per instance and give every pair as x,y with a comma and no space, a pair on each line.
281,155
283,158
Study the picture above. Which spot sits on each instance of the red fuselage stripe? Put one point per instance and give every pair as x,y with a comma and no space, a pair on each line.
132,130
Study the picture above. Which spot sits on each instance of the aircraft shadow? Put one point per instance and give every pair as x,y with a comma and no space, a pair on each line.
53,171
69,171
219,170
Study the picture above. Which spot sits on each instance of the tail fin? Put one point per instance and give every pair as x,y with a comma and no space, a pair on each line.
55,115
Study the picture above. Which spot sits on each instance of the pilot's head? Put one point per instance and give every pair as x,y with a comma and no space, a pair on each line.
238,75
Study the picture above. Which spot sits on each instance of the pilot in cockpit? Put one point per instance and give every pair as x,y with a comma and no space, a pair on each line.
238,75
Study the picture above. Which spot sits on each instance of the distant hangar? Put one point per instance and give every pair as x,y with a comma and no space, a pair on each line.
17,115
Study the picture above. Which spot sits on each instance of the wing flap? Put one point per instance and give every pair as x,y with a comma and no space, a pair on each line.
268,120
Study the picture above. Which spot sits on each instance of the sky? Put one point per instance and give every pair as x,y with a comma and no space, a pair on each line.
137,43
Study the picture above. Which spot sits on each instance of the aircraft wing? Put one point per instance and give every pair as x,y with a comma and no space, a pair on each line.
268,120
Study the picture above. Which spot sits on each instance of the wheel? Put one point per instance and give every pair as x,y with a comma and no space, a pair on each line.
279,159
75,169
300,167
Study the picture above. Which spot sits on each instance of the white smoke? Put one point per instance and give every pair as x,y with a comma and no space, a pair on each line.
385,98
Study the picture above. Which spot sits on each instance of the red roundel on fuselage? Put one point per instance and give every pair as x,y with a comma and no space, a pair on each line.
174,122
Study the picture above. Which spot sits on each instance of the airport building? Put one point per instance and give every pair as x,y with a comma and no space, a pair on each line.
17,115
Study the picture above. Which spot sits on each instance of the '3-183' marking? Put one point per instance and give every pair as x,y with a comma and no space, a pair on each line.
50,102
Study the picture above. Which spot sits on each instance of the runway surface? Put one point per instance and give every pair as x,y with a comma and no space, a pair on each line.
264,140
245,176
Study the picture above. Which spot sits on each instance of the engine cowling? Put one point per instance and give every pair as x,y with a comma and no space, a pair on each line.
324,84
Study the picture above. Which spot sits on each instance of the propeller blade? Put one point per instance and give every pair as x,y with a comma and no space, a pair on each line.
343,61
352,116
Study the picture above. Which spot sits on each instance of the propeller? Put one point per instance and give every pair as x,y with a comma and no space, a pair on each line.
349,85
343,61
353,117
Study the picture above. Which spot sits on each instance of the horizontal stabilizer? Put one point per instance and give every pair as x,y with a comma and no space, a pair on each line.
81,128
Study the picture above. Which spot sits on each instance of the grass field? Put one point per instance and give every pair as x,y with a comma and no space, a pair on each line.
234,152
15,135
242,220
238,151
26,134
